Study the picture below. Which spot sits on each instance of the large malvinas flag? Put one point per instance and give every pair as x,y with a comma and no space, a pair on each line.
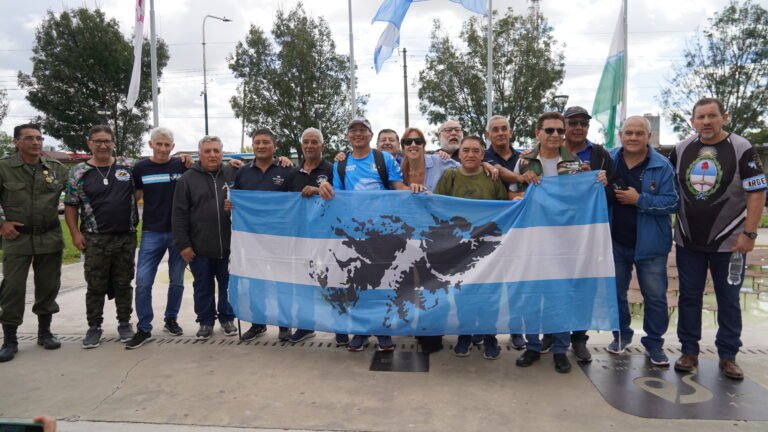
396,263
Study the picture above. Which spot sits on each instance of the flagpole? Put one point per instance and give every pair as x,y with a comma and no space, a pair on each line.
489,79
626,65
153,61
352,81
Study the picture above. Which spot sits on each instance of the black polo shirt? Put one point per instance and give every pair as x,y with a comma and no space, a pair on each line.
275,178
493,158
300,178
624,228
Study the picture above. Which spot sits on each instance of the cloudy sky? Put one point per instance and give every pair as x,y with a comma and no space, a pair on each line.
658,31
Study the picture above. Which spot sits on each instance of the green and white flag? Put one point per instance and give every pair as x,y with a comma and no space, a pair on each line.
610,108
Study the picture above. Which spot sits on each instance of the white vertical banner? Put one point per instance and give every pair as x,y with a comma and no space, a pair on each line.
138,39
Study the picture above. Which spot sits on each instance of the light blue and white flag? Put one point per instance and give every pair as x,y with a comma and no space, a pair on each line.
398,263
393,12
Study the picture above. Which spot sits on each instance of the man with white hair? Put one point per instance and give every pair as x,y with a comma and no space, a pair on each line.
450,134
155,182
314,176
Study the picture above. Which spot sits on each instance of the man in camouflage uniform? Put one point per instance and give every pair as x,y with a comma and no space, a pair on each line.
30,186
101,190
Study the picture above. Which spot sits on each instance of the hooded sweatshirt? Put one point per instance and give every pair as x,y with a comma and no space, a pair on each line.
199,219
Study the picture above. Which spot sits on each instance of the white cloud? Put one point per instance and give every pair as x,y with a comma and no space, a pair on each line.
658,30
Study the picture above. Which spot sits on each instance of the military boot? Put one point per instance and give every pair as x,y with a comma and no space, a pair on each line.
44,336
10,343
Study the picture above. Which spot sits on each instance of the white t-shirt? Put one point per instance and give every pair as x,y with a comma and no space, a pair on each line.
548,166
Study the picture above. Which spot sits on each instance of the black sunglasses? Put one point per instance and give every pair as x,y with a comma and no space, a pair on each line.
582,123
411,141
550,131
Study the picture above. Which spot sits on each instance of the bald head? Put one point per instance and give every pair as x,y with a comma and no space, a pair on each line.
635,135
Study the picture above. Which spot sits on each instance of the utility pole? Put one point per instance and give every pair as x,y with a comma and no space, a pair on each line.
153,62
405,85
352,81
489,78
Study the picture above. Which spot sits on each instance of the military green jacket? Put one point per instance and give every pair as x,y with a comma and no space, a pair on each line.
31,197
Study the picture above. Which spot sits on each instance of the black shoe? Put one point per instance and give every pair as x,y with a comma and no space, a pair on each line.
562,364
255,331
44,336
48,341
8,351
284,334
546,343
140,338
528,358
518,341
581,352
172,327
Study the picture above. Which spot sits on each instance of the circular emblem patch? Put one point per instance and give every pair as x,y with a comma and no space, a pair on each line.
703,177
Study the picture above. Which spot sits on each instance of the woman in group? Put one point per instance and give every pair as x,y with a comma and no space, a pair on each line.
422,171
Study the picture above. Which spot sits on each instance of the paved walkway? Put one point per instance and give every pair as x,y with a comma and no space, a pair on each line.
183,385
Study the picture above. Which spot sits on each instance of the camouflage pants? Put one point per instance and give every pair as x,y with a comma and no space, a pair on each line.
13,290
109,265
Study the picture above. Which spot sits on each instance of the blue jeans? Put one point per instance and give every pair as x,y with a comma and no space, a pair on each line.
151,251
652,276
205,270
692,267
560,342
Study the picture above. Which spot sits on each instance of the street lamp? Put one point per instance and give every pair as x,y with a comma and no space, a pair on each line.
205,77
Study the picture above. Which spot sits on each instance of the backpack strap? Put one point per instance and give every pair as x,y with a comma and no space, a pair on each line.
381,167
341,170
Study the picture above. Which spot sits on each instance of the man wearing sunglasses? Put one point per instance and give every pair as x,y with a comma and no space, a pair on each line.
598,159
30,186
548,158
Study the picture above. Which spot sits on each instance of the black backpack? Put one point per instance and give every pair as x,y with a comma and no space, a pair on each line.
381,167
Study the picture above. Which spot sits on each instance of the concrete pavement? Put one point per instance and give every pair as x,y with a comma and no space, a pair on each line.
179,384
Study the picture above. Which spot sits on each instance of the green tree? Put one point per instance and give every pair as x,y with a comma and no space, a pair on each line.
294,81
3,105
6,145
729,61
528,67
81,69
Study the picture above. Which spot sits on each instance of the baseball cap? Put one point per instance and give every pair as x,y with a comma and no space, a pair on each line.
576,110
360,121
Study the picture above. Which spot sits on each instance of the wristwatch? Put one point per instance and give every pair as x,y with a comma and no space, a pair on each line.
750,235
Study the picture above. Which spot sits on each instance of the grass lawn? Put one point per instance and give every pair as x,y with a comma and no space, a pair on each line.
71,254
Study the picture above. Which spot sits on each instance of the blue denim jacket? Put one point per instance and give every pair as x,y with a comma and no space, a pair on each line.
659,199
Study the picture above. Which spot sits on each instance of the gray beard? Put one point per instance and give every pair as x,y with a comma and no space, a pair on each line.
450,148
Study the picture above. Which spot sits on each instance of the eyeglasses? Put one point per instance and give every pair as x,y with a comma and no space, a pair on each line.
412,141
33,139
550,131
102,142
451,130
582,123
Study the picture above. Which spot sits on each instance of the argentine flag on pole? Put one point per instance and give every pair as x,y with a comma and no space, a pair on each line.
398,263
610,107
393,12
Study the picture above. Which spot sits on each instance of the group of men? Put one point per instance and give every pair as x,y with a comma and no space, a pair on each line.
713,181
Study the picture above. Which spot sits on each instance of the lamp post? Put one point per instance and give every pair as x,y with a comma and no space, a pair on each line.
205,77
